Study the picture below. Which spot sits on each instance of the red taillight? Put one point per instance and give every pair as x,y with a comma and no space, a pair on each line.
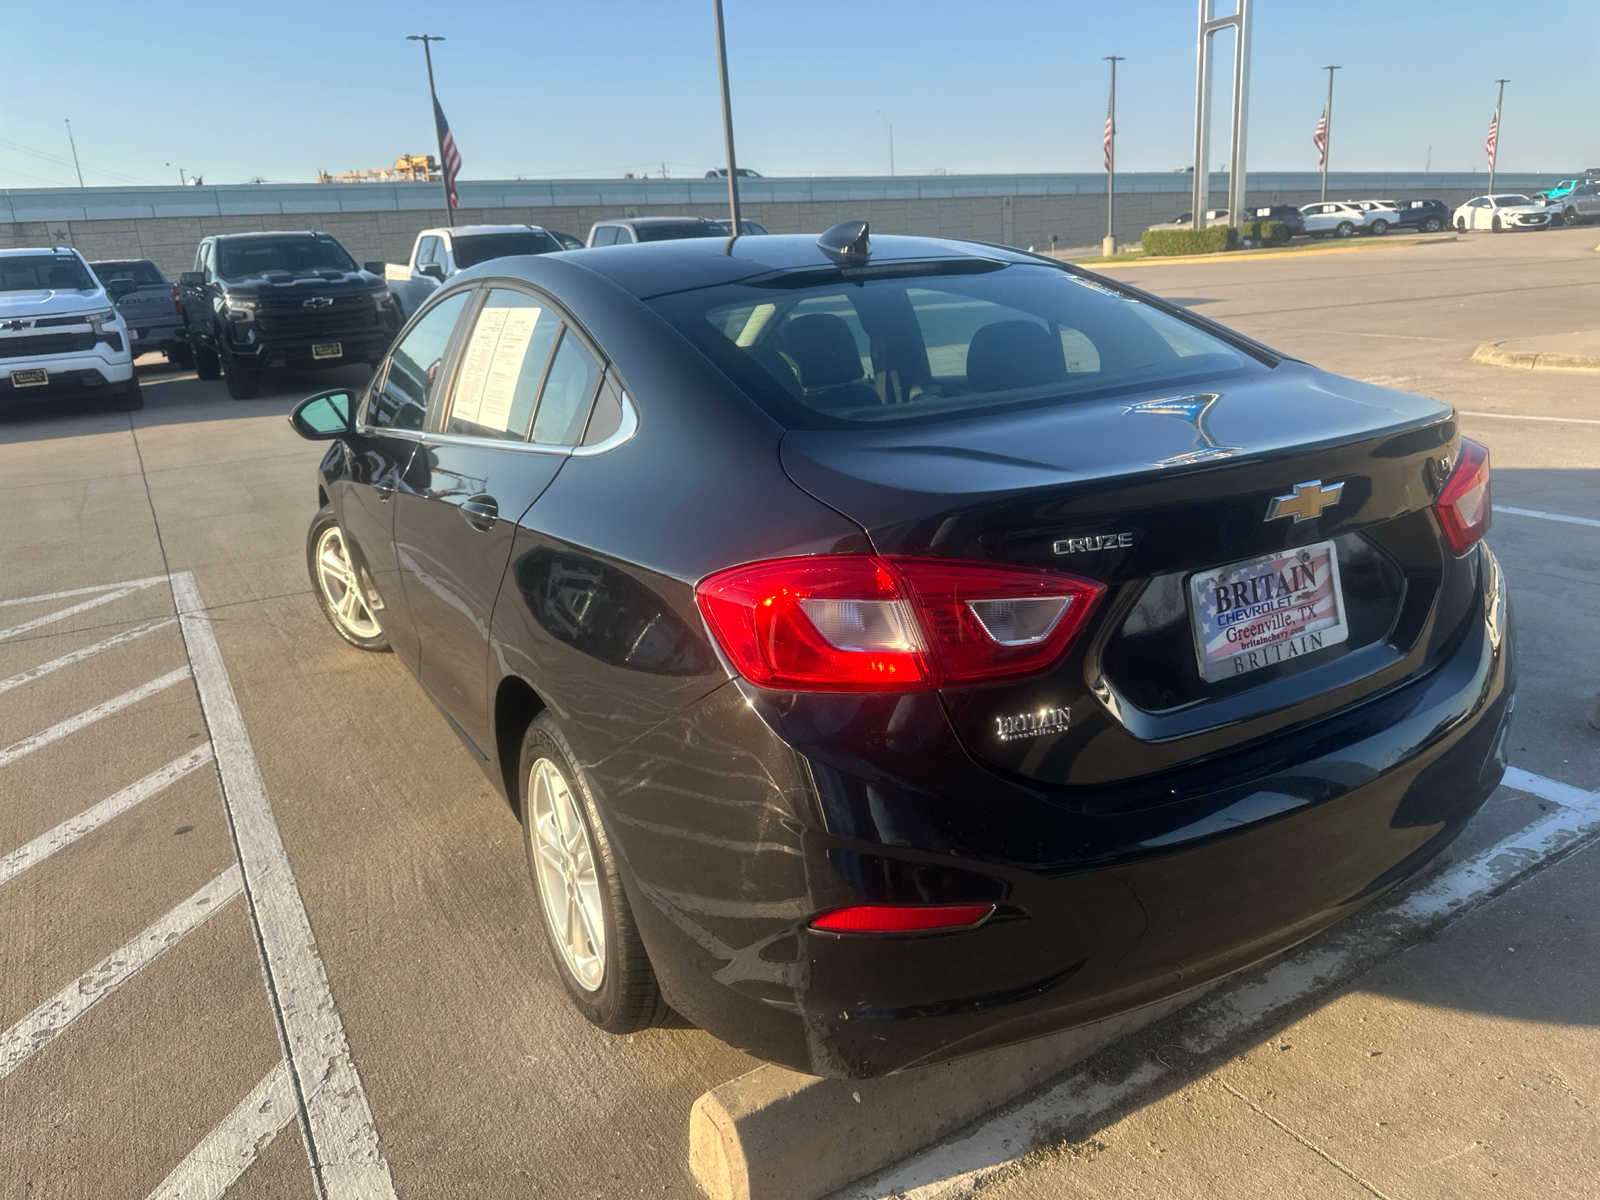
177,303
1464,506
902,918
855,623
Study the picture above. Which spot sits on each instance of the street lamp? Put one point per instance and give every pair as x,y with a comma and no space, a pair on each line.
181,179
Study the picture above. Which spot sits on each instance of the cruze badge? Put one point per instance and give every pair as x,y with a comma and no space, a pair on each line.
317,302
1032,724
1305,502
1098,541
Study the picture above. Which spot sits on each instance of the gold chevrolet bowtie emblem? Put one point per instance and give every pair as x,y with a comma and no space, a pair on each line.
1305,502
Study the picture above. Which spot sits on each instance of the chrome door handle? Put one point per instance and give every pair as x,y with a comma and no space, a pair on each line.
480,512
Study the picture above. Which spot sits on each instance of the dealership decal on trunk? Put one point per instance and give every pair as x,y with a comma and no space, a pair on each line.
1032,724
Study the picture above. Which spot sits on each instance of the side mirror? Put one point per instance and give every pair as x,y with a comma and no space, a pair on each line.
374,268
432,271
191,279
325,416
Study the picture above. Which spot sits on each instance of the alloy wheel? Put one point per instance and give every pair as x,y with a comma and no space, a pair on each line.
569,883
341,589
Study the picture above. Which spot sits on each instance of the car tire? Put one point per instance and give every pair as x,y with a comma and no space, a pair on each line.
1461,224
334,575
244,383
1495,226
1345,229
1570,217
181,357
573,869
1380,227
206,363
128,397
1432,225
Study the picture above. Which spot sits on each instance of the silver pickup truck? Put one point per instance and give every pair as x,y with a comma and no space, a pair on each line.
148,302
438,254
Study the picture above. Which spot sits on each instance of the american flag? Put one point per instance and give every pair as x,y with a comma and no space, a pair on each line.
448,152
1319,139
1490,142
1109,138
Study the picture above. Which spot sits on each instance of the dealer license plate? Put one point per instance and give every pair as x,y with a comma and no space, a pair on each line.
327,350
1266,610
30,377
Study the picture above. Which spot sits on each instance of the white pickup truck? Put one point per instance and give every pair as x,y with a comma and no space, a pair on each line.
438,254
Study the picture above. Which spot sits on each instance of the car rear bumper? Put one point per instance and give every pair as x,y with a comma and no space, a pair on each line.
149,338
1097,913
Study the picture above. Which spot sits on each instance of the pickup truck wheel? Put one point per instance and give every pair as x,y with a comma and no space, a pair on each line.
181,356
128,397
243,383
206,363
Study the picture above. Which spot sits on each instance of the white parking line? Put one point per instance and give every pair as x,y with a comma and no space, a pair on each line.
1523,417
1547,516
62,614
212,1167
89,716
1233,1010
129,585
63,835
341,1137
40,1027
77,656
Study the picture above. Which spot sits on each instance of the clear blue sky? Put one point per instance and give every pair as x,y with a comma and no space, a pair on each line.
281,89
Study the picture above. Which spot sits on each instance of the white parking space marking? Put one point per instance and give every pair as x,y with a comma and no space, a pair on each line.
1234,1009
77,656
1524,417
61,614
125,586
212,1167
1547,516
342,1138
63,835
40,1027
89,716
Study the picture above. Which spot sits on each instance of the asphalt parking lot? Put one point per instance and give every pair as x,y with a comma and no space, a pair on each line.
264,930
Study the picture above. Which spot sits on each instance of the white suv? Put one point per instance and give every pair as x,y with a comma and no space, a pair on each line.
59,331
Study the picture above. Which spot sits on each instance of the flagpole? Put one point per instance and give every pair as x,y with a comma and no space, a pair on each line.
433,96
1499,100
1327,132
1110,245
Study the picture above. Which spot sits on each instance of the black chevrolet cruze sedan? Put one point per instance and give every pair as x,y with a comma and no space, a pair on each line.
896,647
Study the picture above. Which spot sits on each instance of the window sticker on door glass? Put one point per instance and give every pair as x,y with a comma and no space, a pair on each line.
492,365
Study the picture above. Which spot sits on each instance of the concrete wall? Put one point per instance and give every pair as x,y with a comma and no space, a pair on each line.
1019,220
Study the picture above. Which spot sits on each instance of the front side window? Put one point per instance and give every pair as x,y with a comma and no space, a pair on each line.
401,402
497,385
899,346
45,272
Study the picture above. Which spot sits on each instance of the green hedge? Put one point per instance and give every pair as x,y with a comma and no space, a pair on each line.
1191,241
1265,233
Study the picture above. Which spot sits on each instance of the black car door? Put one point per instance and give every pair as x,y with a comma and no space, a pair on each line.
380,454
517,401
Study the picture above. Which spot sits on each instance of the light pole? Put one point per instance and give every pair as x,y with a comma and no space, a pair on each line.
181,179
1109,246
444,175
1494,146
734,228
1327,131
74,146
890,125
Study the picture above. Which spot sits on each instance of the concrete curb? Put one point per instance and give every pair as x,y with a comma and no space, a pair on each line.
776,1134
1499,354
1256,255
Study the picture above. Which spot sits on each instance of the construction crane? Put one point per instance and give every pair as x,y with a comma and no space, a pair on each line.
411,168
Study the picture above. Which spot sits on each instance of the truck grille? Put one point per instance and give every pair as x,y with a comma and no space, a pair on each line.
46,343
347,314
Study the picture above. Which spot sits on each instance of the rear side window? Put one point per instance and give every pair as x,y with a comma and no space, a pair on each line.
497,383
899,345
401,402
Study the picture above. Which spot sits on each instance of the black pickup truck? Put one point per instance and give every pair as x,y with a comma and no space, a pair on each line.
257,301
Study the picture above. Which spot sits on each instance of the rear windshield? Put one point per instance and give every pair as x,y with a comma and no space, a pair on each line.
897,345
44,272
243,257
481,247
141,271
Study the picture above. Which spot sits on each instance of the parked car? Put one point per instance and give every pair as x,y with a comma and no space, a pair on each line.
1581,204
1380,215
1185,219
1507,210
1337,217
439,254
1426,216
722,173
257,301
897,647
747,227
1561,189
622,231
1287,214
60,334
150,305
568,242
